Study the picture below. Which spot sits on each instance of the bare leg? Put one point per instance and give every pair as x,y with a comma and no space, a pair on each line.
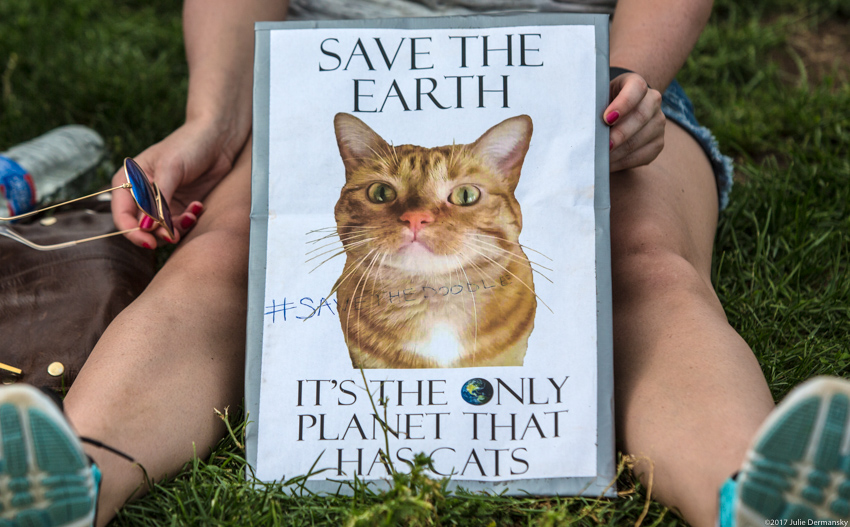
689,392
175,354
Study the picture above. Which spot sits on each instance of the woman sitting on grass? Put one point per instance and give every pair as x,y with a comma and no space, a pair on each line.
690,395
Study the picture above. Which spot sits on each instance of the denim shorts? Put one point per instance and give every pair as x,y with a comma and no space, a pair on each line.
679,109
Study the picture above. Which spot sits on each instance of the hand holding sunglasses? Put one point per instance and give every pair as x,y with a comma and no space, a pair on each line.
146,194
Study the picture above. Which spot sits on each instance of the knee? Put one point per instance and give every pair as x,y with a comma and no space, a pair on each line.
653,276
216,255
648,263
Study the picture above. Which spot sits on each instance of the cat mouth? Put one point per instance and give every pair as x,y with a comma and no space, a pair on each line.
415,246
417,259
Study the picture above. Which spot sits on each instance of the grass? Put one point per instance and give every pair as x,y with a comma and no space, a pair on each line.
780,265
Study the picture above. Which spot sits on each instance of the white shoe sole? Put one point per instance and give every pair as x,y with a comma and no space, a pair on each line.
46,479
798,466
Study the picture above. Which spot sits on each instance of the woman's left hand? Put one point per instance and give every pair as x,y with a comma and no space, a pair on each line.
636,121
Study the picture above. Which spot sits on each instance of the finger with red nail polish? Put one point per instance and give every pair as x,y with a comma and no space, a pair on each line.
196,208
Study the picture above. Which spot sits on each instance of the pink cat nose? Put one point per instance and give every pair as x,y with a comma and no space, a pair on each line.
417,219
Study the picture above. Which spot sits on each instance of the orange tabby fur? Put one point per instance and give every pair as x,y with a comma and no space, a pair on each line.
427,282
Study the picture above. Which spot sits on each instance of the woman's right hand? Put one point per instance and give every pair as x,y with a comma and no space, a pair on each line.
186,166
191,161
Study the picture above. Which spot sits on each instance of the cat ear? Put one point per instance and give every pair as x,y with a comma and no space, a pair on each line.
357,142
504,146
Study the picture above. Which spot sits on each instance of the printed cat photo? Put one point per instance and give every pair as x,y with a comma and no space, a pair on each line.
435,276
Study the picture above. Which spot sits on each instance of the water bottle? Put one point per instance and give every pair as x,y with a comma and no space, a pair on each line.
56,166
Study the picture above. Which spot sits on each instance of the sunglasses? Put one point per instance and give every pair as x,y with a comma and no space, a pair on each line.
146,194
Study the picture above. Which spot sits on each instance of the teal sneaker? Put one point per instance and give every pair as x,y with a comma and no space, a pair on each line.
797,471
46,480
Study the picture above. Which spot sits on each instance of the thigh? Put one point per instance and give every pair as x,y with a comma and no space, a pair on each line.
228,205
670,206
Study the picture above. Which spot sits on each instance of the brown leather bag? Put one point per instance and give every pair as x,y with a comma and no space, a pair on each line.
55,305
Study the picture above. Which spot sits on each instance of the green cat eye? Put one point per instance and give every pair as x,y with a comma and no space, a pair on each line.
380,193
465,195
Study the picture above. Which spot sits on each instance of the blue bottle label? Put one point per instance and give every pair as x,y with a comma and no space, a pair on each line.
17,187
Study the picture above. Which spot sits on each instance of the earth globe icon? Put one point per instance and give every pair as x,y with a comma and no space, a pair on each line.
477,391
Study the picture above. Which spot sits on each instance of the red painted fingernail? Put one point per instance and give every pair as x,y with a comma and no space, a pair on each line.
196,209
613,116
167,239
146,223
146,246
610,145
187,222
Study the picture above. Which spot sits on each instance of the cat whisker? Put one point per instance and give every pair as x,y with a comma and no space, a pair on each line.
360,231
394,154
336,229
379,277
533,270
325,237
354,237
517,278
474,311
351,300
323,229
532,262
382,254
519,259
514,256
541,273
336,234
350,246
326,261
455,275
342,240
363,231
322,247
481,271
513,242
341,281
527,248
335,255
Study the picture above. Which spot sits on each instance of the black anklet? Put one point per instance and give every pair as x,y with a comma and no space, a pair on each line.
98,444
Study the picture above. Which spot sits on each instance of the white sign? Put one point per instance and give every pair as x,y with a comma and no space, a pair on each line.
431,221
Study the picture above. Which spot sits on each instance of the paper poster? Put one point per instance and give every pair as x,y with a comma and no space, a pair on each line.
431,251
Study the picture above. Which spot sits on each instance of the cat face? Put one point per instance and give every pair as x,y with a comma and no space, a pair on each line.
426,210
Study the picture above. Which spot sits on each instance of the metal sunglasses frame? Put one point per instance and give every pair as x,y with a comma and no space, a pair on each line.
151,188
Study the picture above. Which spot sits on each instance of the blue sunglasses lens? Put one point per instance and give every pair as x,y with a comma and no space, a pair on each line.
166,217
142,189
